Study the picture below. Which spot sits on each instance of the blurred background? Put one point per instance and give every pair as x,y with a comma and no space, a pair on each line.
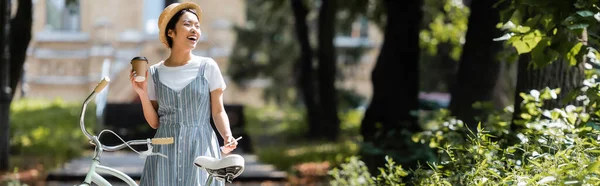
309,82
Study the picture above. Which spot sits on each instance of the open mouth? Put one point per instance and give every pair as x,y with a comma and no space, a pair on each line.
193,38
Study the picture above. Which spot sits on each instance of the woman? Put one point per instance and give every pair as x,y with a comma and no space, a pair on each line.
178,97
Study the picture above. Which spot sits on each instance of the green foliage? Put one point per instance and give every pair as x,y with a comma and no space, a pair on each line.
441,39
48,130
446,23
266,48
555,147
551,29
354,172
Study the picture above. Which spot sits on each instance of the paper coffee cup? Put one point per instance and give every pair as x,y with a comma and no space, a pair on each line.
140,66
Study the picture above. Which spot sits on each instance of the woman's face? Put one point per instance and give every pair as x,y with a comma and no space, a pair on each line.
187,32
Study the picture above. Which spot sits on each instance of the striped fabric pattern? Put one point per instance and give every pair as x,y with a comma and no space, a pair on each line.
185,116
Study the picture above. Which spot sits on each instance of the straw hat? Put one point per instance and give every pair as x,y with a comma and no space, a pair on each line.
169,12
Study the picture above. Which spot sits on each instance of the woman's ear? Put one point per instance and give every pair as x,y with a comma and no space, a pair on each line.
171,33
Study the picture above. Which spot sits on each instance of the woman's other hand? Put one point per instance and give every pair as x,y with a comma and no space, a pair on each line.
228,148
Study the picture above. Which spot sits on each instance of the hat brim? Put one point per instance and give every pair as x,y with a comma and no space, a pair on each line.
168,14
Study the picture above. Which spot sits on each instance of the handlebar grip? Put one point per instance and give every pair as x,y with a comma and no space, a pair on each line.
162,141
102,84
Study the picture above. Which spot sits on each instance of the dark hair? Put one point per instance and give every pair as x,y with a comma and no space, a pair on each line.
173,22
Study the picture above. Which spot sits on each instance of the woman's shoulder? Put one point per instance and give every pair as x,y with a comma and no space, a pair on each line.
156,65
203,59
208,60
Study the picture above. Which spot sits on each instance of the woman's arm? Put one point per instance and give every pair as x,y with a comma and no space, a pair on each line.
149,107
220,118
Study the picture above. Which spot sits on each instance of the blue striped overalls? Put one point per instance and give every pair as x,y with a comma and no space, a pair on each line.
185,116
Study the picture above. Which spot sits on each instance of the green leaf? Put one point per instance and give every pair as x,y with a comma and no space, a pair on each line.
594,166
572,55
571,96
571,118
585,13
525,116
570,19
507,14
542,55
524,96
527,42
521,29
578,26
584,117
554,114
557,90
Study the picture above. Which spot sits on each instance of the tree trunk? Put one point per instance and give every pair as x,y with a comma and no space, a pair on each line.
558,74
505,86
395,80
5,93
478,68
20,28
306,80
326,71
11,68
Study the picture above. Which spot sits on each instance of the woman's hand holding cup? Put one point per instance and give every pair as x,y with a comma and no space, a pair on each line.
139,72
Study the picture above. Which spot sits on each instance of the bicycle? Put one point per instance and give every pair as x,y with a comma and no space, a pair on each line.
227,168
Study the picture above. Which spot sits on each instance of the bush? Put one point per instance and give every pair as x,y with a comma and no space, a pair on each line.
47,131
555,147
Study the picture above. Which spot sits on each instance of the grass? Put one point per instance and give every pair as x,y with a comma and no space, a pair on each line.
278,134
285,157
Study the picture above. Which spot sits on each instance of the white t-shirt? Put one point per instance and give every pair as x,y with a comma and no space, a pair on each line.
179,77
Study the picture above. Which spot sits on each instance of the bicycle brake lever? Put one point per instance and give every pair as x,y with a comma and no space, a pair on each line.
150,153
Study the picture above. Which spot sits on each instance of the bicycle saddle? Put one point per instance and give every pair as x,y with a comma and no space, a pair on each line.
228,167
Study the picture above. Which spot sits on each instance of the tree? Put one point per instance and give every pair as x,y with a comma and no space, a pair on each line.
558,74
270,51
15,35
4,85
442,38
305,64
327,69
479,68
552,41
263,50
389,120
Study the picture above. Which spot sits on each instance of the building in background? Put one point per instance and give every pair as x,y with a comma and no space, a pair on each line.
72,39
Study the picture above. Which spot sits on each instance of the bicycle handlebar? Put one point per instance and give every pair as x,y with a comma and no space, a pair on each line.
162,141
100,86
157,141
97,90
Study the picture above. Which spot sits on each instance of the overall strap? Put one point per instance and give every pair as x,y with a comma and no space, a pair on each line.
154,73
202,68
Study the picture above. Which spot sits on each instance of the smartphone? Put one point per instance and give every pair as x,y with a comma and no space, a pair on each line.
238,139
